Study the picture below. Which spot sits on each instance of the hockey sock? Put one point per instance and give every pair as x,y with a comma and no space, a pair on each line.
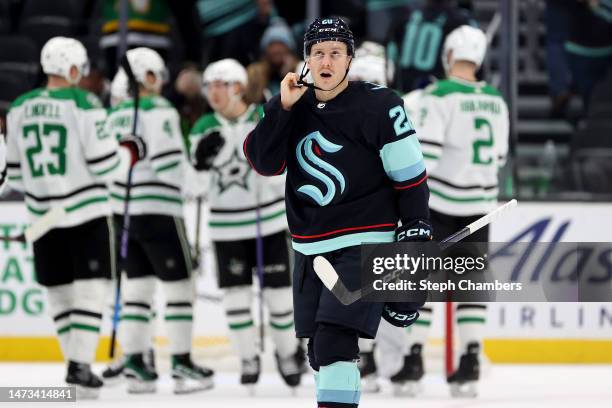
136,325
366,345
89,297
419,330
471,318
280,305
336,351
179,314
339,385
237,304
60,305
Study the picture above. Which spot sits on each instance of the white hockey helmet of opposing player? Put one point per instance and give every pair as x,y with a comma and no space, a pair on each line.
467,43
119,89
369,64
226,70
145,60
60,54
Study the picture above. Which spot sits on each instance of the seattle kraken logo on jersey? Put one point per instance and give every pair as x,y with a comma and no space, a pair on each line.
306,154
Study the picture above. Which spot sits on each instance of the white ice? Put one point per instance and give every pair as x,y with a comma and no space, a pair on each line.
525,386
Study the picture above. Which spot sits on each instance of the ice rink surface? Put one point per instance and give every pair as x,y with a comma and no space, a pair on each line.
551,386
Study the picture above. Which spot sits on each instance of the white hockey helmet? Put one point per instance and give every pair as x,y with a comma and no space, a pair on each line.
226,70
119,89
467,44
144,60
59,54
369,64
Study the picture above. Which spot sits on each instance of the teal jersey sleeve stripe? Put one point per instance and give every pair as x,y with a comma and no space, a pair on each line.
401,154
407,173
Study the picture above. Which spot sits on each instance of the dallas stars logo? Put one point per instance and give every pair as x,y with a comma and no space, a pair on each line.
234,172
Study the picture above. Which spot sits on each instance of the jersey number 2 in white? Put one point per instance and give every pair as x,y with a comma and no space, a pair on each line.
402,123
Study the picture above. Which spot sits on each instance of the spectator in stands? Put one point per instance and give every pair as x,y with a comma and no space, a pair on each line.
233,29
278,57
416,43
589,44
149,26
557,19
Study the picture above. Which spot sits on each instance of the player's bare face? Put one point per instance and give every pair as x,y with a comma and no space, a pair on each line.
328,62
217,94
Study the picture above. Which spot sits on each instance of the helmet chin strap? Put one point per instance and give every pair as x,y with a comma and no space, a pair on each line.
303,74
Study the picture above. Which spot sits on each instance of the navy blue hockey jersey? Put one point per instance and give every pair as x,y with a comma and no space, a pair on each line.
354,166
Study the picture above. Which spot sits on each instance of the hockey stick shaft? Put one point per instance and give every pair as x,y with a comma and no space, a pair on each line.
449,358
39,227
198,224
331,280
260,264
125,231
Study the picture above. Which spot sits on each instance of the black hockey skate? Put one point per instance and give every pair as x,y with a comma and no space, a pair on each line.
189,377
291,367
368,371
113,374
141,377
407,381
87,383
463,381
250,368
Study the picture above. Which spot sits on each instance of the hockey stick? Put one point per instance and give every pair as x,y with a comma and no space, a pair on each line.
125,231
328,275
40,227
197,251
260,262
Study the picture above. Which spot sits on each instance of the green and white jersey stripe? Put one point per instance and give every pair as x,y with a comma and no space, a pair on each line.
235,190
463,129
59,154
156,180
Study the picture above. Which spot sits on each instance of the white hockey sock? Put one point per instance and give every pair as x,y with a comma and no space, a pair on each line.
179,314
86,318
136,326
60,306
280,305
366,345
237,304
471,319
419,330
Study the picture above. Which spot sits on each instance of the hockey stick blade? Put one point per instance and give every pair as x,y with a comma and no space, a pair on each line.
40,227
328,275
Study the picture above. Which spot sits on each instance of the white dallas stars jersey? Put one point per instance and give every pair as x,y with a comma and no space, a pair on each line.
235,189
463,129
59,155
2,163
156,180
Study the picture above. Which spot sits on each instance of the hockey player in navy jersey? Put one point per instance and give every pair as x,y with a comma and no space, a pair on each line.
354,170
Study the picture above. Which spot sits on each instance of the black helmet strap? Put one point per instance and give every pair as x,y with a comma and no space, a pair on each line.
313,86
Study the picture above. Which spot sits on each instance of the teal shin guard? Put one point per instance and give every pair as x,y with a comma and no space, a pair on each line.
338,385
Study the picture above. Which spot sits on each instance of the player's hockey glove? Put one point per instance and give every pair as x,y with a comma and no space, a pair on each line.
403,314
207,150
419,231
136,146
